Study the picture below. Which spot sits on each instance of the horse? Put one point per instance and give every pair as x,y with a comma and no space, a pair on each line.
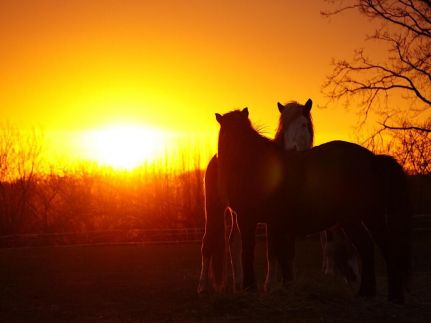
295,131
299,193
295,127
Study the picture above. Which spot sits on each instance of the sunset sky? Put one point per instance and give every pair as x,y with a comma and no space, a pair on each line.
75,67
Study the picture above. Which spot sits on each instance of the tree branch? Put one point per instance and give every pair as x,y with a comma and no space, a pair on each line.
406,128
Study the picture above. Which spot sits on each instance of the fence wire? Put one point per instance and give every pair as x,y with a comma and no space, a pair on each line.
421,223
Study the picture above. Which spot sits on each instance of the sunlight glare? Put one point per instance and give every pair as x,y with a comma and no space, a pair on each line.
124,146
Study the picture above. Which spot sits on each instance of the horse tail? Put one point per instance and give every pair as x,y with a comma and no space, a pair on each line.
398,218
214,243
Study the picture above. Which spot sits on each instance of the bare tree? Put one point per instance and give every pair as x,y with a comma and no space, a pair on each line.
410,146
395,87
20,160
414,151
49,187
399,81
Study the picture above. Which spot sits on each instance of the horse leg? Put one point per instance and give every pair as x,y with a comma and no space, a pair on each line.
248,232
213,256
204,283
213,242
365,247
272,263
396,216
328,259
286,258
281,251
235,253
379,231
339,255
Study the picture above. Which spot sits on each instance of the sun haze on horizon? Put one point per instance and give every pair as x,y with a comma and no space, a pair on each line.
124,146
76,67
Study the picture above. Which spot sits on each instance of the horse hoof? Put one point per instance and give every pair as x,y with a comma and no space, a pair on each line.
367,293
237,288
272,290
250,289
203,293
203,290
396,299
282,291
268,291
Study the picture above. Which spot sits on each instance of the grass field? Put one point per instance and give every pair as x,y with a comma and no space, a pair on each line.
157,283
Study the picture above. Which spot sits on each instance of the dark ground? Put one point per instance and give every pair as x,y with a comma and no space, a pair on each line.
157,283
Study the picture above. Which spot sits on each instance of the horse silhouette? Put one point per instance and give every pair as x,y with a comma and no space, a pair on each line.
298,193
295,131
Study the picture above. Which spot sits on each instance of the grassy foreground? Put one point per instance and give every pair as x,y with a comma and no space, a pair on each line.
157,283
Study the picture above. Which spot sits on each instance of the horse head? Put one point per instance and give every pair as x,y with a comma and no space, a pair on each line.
295,130
236,118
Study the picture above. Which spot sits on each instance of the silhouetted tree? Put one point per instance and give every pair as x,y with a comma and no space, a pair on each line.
411,147
20,162
397,86
49,187
414,151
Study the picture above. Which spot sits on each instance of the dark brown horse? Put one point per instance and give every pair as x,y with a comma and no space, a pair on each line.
299,193
295,131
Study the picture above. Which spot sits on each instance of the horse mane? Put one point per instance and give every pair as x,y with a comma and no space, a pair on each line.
293,110
239,128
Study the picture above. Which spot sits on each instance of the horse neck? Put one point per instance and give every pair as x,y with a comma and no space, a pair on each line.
234,148
234,152
234,144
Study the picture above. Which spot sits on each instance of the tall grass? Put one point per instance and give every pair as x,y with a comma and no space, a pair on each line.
84,197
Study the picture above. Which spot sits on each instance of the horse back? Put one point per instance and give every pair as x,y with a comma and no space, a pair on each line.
336,180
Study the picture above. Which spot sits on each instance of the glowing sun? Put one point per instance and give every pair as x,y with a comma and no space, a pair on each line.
124,146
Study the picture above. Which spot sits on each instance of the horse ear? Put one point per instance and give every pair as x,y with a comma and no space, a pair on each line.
280,107
308,105
245,112
219,117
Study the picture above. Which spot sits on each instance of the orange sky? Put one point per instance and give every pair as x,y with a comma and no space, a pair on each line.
71,66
